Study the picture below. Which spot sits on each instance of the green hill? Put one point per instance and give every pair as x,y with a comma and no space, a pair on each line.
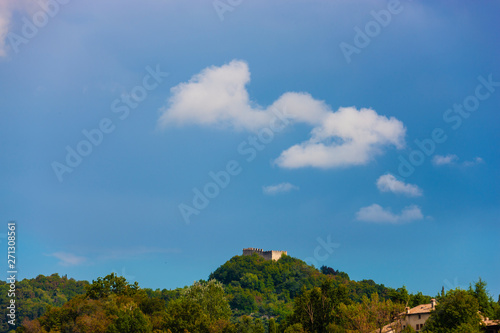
34,296
267,288
246,294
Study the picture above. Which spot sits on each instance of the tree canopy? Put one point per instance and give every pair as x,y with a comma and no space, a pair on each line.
245,295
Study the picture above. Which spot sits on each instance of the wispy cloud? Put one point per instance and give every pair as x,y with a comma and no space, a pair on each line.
68,259
123,253
7,7
377,214
389,183
218,97
452,159
279,188
5,16
475,161
443,160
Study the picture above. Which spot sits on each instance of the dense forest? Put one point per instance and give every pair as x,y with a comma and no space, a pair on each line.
247,294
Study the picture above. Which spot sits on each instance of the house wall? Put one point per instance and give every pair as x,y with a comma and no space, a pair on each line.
413,319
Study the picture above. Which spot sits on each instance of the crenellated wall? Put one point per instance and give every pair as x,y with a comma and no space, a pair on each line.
268,255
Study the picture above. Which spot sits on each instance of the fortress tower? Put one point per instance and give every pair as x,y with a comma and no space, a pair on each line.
268,255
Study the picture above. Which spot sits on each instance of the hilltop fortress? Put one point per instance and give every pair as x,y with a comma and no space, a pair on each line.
268,255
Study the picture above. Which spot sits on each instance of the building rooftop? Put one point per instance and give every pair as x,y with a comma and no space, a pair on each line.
419,309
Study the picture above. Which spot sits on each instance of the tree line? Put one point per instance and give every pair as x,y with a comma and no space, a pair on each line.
247,294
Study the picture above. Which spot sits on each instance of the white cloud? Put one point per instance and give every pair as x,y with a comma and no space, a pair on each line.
442,160
25,7
452,159
389,183
217,96
375,213
346,137
476,161
5,15
68,259
279,188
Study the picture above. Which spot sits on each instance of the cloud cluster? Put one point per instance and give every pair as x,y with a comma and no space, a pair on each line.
218,97
279,188
377,214
389,183
452,159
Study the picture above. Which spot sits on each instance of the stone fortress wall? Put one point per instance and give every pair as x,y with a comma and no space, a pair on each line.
268,255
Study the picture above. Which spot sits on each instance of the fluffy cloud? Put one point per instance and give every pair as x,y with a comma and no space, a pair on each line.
389,183
376,214
217,96
346,137
68,259
279,188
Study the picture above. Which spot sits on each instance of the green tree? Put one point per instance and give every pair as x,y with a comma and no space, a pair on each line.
186,315
199,308
211,297
399,295
316,308
496,309
484,300
111,284
295,328
131,321
371,314
258,326
250,280
272,325
458,310
417,299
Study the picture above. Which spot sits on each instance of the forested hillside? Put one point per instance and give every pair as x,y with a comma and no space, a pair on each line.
246,294
34,296
267,288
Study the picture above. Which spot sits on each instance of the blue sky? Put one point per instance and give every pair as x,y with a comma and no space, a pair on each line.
157,139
